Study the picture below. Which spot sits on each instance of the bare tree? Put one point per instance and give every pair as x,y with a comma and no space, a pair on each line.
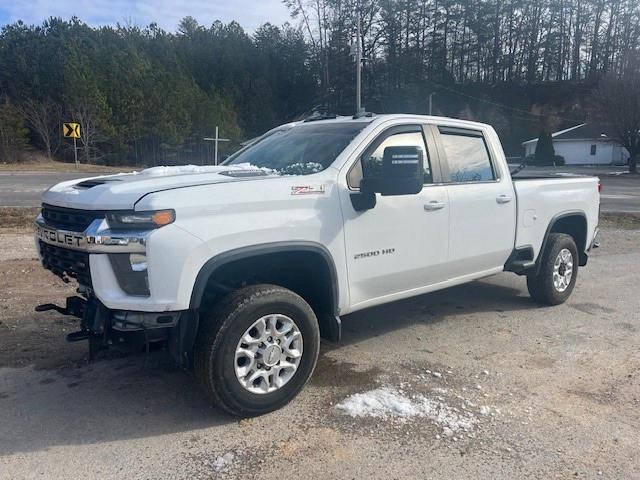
44,118
89,135
617,102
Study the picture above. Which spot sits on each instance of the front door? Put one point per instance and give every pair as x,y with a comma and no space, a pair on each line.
401,244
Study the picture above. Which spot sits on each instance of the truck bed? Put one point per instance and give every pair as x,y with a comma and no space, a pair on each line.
541,198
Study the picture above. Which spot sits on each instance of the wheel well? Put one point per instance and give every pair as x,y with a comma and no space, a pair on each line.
305,272
574,225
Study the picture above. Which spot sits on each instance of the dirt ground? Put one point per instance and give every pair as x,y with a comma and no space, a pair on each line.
519,391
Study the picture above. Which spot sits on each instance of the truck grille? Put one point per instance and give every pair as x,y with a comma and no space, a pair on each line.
66,263
69,218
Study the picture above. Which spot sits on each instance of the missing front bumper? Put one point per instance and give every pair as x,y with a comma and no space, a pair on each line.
105,328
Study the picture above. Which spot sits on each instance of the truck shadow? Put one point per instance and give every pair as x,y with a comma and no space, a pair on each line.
110,400
499,294
117,399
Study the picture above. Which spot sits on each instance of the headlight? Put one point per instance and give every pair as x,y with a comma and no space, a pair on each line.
134,220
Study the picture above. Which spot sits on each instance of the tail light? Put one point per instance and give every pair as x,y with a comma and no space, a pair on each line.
599,187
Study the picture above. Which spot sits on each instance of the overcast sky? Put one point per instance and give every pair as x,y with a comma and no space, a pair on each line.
166,13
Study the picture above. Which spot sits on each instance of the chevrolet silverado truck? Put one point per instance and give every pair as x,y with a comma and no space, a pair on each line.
239,269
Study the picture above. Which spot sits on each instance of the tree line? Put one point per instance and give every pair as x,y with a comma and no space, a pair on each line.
148,96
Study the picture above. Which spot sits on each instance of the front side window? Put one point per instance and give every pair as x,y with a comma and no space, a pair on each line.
371,161
300,149
593,149
468,158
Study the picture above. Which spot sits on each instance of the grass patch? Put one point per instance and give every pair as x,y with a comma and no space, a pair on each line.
17,219
36,162
625,221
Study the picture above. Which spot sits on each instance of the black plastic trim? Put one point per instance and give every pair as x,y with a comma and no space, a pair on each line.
254,250
130,281
519,254
583,257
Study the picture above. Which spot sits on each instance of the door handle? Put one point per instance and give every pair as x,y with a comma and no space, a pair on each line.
503,198
433,205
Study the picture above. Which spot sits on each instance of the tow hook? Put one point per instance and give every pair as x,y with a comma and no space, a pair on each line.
75,307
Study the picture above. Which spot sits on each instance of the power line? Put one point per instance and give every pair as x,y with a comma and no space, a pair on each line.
484,100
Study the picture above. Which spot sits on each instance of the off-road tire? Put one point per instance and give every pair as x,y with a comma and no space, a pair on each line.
218,336
541,285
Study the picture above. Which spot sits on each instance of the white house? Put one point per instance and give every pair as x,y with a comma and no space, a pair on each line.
584,144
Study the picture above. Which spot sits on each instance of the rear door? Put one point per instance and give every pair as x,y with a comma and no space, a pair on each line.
400,244
482,202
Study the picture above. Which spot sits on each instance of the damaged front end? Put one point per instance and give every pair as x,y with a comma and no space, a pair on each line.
124,330
66,238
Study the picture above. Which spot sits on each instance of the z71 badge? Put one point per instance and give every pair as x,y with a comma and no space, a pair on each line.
374,253
307,190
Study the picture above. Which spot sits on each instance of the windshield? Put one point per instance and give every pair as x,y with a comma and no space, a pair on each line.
299,150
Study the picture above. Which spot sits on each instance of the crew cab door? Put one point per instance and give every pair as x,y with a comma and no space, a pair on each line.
482,203
401,243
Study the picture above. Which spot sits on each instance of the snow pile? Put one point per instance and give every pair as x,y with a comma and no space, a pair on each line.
390,404
223,462
186,169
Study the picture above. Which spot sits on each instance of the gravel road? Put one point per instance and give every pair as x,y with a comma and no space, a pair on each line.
472,382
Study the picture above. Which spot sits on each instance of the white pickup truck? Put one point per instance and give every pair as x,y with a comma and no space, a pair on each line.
239,269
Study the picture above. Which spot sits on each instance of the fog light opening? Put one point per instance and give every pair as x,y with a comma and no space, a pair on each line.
138,262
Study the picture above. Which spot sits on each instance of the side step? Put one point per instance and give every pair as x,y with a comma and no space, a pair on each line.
520,266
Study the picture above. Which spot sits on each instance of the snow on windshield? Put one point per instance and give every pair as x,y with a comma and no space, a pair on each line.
301,149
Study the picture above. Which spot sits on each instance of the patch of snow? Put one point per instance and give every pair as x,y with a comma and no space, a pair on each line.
223,462
485,410
389,404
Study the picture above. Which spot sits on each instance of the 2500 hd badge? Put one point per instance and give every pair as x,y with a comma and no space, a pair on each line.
374,253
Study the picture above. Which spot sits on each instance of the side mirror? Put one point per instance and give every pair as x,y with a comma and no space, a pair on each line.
402,173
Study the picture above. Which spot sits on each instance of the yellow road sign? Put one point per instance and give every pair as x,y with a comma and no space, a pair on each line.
71,130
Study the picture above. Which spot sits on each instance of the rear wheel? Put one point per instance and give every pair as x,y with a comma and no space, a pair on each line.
257,349
558,271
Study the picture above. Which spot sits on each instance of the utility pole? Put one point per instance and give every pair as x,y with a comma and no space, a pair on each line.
358,68
215,141
431,102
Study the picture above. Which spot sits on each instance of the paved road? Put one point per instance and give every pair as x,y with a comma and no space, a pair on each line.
23,189
621,192
482,383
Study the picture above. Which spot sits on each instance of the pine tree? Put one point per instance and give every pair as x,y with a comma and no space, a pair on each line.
544,149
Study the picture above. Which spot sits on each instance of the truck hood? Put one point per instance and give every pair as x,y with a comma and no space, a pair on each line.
123,190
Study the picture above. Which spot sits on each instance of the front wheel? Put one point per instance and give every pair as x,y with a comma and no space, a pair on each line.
257,349
558,271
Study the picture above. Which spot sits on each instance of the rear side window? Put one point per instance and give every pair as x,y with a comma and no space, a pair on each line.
467,156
